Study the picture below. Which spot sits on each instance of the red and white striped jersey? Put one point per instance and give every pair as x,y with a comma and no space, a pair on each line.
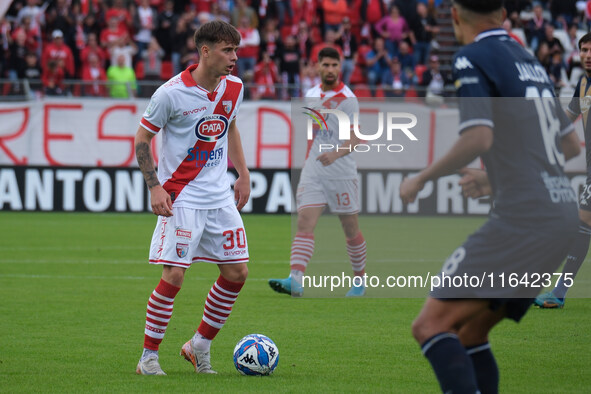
194,125
343,99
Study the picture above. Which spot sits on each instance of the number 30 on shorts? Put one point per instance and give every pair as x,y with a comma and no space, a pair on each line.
234,239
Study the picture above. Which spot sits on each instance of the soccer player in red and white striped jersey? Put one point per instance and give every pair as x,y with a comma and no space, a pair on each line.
198,219
328,178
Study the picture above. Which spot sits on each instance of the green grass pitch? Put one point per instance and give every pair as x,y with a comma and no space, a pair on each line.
74,287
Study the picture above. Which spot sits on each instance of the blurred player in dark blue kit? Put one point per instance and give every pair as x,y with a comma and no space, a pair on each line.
579,105
523,139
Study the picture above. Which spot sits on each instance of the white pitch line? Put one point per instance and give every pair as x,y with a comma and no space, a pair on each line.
90,277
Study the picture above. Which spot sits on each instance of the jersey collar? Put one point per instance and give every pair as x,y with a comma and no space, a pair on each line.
490,33
337,88
190,82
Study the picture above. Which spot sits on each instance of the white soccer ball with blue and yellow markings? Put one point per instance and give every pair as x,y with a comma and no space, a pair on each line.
256,354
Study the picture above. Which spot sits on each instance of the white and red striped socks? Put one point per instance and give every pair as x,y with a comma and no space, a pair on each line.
158,314
218,306
302,249
357,251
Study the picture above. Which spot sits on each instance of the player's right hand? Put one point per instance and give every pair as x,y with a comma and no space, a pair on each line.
161,201
409,188
474,183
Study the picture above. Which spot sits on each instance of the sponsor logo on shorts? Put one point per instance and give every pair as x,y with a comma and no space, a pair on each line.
183,233
182,249
235,253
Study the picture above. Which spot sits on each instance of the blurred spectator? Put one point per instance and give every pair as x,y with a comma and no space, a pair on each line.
563,12
121,14
289,66
220,11
34,13
378,62
183,30
348,43
248,52
279,10
397,81
535,28
144,21
17,54
334,13
165,24
123,46
266,76
57,50
152,61
32,68
557,70
508,26
393,29
424,28
121,77
309,77
330,38
433,80
572,55
304,40
112,33
91,25
554,44
152,58
543,55
270,37
33,36
516,6
407,9
407,59
242,9
372,11
189,54
59,16
92,48
94,77
53,78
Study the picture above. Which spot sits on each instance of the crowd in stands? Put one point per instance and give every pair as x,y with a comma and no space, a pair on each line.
390,47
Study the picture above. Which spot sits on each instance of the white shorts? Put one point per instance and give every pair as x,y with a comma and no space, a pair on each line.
341,195
192,235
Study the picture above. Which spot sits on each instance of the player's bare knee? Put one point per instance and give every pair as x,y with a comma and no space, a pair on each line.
234,272
173,275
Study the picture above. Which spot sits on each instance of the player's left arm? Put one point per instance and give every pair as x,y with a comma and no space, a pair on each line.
472,143
236,154
571,145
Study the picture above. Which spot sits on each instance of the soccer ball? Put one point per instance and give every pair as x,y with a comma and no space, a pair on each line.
256,354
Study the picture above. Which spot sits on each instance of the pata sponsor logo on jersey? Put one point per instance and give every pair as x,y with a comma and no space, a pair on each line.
462,63
211,127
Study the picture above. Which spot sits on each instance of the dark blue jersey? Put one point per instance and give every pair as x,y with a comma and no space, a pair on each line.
502,86
580,105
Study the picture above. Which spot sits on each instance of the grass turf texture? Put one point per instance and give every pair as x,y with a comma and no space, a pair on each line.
74,289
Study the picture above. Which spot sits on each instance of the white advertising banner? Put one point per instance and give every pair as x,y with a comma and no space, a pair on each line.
100,133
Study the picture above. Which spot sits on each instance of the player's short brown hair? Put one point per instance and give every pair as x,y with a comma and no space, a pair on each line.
213,32
329,52
585,39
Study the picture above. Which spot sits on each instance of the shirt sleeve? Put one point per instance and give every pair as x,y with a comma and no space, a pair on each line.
157,113
238,103
474,91
574,106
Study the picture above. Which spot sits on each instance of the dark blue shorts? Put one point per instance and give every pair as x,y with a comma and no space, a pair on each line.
505,261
